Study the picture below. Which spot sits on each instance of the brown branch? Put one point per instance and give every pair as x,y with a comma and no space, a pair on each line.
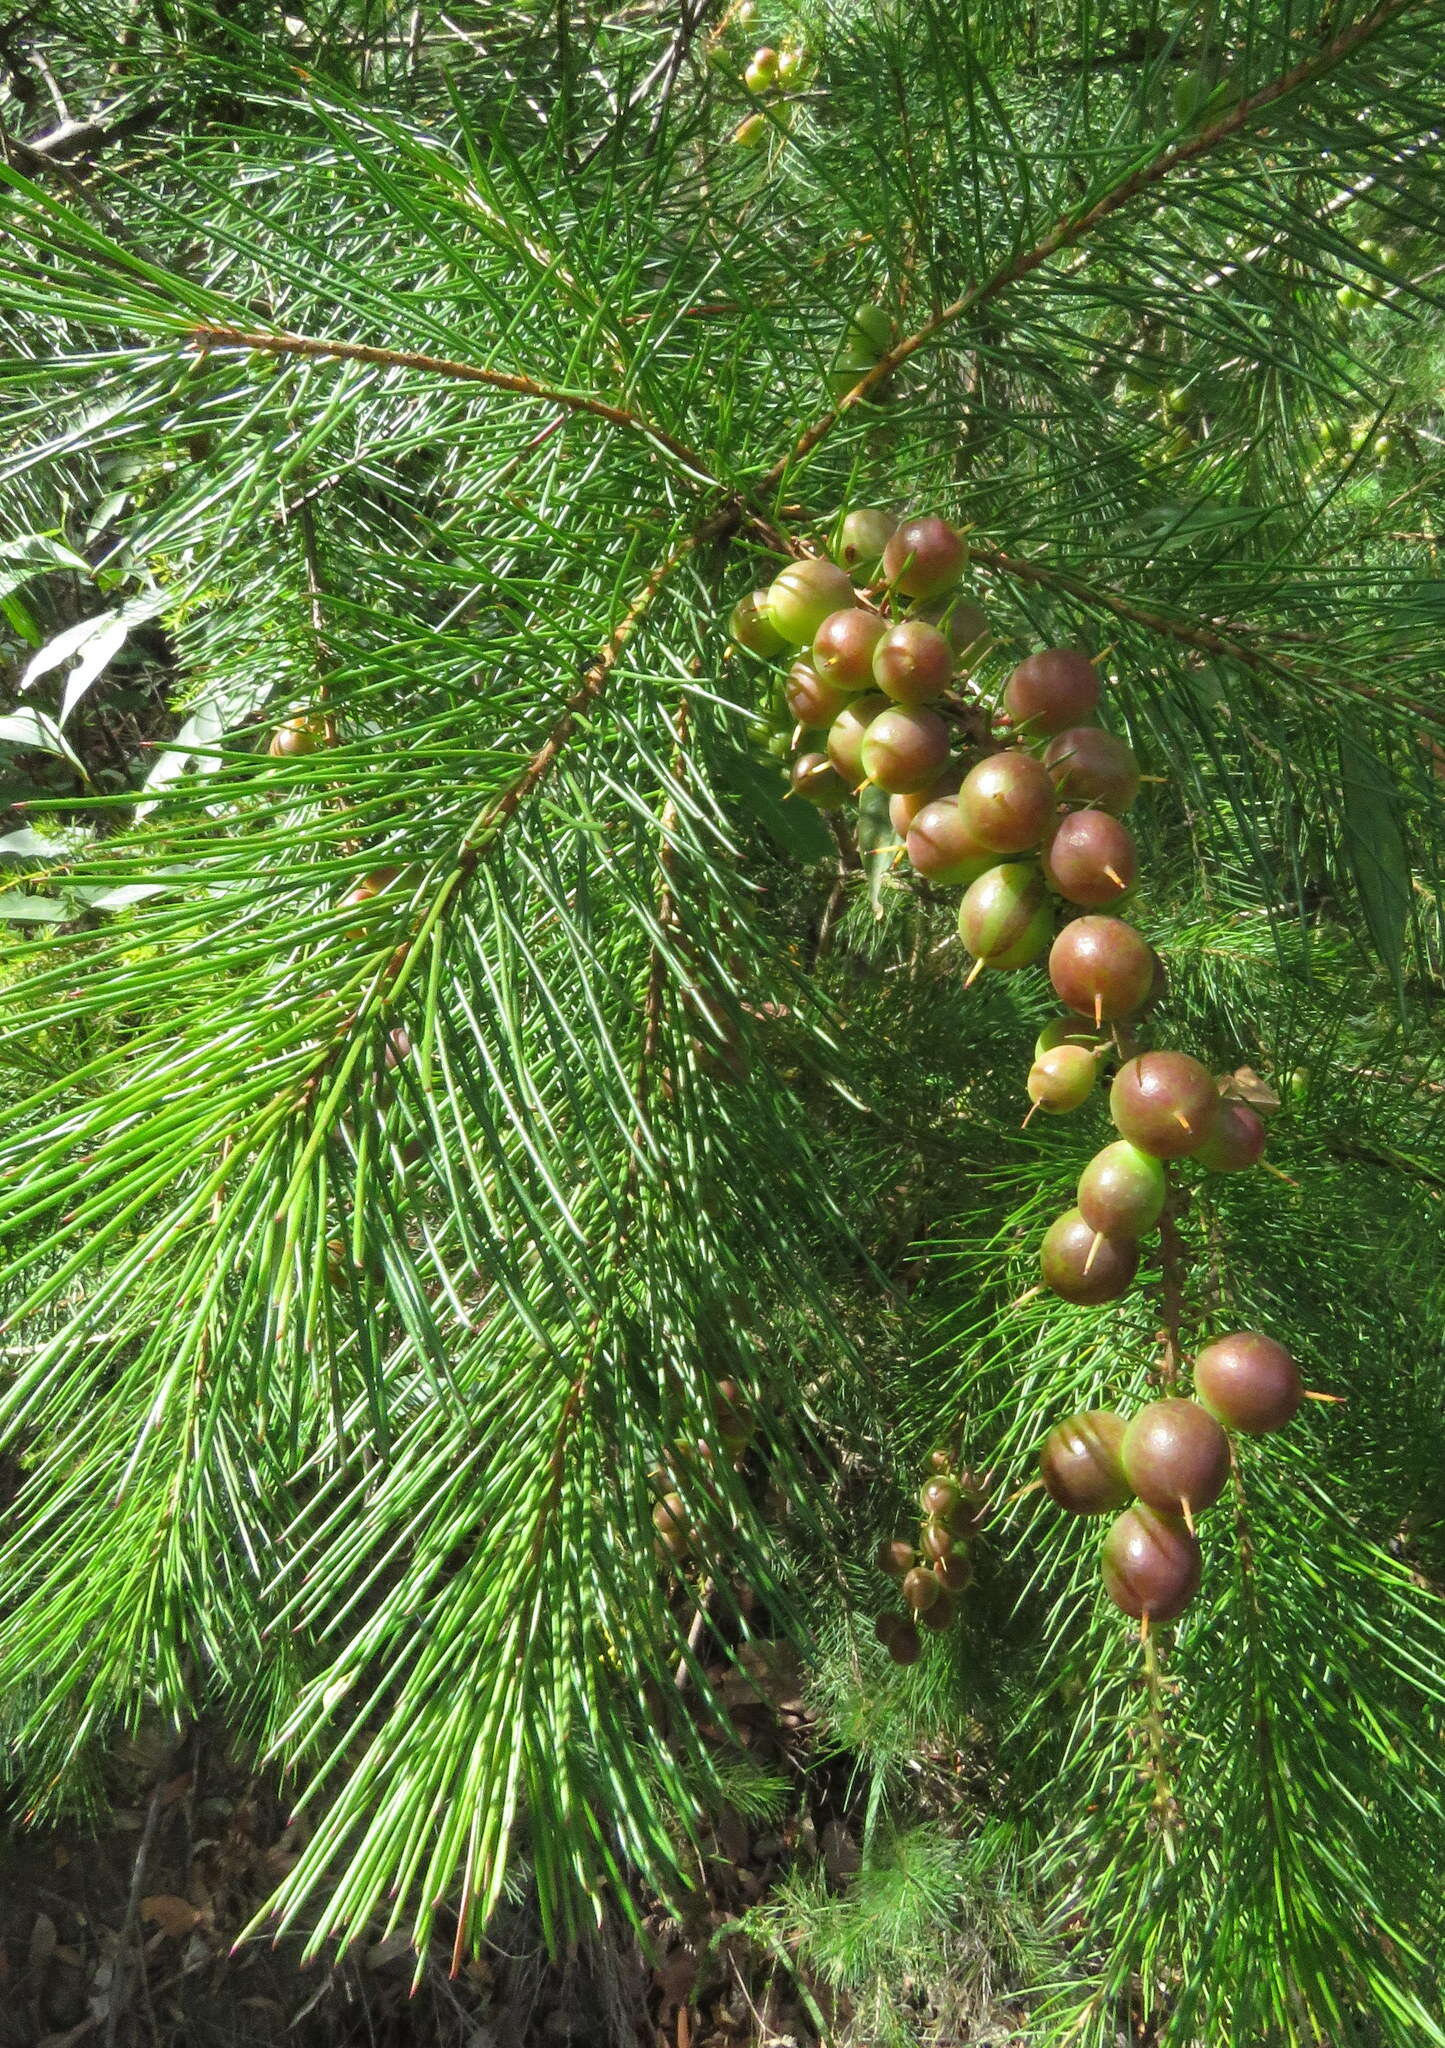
1175,1260
1191,632
1074,227
318,346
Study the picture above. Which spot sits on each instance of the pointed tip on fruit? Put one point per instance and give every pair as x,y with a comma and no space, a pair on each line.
1094,1249
1183,1122
1313,1394
1184,1509
1033,1112
973,973
1115,877
1098,1011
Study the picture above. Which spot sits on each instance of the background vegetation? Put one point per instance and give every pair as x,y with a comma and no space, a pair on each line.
447,373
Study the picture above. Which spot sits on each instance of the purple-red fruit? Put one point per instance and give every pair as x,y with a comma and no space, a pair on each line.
1051,690
813,701
904,808
899,1638
1122,1190
1007,801
940,846
924,557
936,1540
845,736
1150,1564
1101,967
954,1572
1248,1382
1164,1102
939,1496
1176,1456
1079,1463
912,662
844,646
904,750
1090,766
1062,1079
962,624
1004,918
896,1557
1236,1139
1084,1265
1091,859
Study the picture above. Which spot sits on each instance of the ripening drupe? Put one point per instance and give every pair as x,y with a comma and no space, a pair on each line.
1062,1079
912,662
924,557
904,750
1085,1265
863,536
1091,859
845,736
1165,1103
1176,1456
1090,766
1122,1191
1007,801
814,778
1248,1382
1101,967
1004,919
844,646
1236,1140
1079,1463
941,848
1150,1564
750,625
802,595
1050,691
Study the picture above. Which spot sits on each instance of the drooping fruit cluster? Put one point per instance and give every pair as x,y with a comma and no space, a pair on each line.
685,1467
881,644
1171,1460
932,1573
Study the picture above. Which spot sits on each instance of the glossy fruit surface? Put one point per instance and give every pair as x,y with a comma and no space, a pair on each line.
924,557
1101,967
1084,1265
1150,1565
954,1573
1090,766
762,69
904,750
1050,691
1062,1079
941,848
1164,1102
1175,1455
863,536
751,133
896,1557
1007,801
812,702
1079,1463
1248,1382
1236,1139
297,736
936,1540
845,736
814,778
673,1525
1065,1031
961,623
921,1589
912,662
904,808
1091,859
749,624
801,596
844,645
1004,919
1122,1190
939,1496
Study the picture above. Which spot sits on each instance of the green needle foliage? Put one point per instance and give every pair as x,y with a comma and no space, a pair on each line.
442,379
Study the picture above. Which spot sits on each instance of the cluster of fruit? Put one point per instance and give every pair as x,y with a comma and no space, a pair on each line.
685,1467
1173,1460
935,1570
771,75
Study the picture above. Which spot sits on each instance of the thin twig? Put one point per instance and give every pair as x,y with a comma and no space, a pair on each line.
120,1970
1073,228
322,347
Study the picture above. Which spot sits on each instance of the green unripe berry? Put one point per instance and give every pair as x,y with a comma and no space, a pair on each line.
751,627
1004,918
801,596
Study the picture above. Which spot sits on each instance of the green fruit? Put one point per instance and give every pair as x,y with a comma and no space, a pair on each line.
1064,1031
1004,918
870,332
762,70
751,133
1079,1463
1175,1456
295,737
863,536
751,627
1063,1079
904,750
790,64
1351,299
846,735
801,596
1122,1191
